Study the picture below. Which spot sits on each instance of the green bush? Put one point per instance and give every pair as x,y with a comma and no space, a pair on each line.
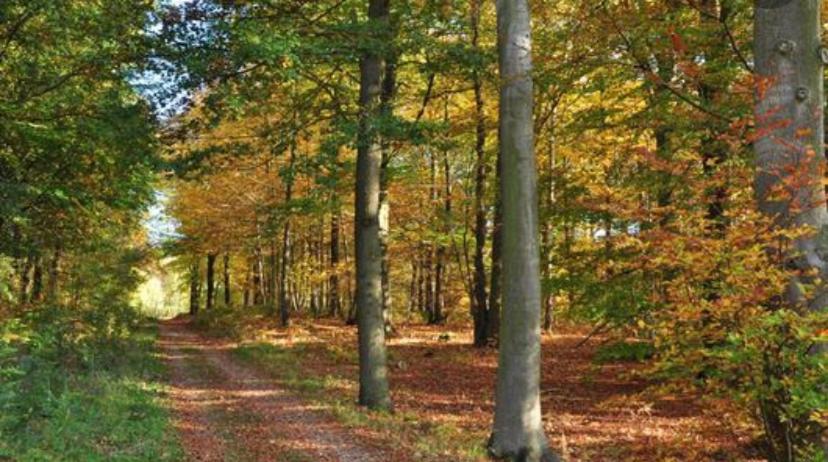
771,365
81,385
624,351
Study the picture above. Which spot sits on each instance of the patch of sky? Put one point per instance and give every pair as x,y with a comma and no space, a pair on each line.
161,227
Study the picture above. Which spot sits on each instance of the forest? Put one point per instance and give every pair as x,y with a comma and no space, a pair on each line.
413,230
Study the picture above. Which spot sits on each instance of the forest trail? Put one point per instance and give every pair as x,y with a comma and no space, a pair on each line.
225,411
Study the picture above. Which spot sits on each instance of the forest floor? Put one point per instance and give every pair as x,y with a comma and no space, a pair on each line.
291,392
226,411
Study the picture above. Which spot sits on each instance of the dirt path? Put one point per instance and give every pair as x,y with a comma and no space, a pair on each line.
225,411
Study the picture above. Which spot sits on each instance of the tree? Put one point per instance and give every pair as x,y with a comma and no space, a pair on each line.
195,288
226,284
790,160
518,429
66,176
211,280
481,313
373,372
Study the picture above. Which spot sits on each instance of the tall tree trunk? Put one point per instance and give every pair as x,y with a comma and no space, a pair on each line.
713,150
442,263
480,306
493,314
195,288
273,276
412,289
389,85
211,280
350,293
25,279
439,289
518,430
317,286
790,122
284,291
547,237
284,306
226,279
373,371
334,303
434,252
258,277
664,188
421,279
53,279
37,281
428,277
248,284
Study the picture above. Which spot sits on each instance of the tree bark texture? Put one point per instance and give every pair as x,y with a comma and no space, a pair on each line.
789,147
518,431
373,371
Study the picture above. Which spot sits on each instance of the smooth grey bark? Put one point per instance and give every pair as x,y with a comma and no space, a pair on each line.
518,429
790,142
373,371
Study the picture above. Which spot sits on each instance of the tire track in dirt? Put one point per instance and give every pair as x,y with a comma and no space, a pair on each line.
225,411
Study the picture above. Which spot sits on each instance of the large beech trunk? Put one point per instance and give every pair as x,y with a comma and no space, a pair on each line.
789,149
518,431
373,370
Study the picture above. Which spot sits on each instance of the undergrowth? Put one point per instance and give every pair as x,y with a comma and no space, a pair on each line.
82,385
